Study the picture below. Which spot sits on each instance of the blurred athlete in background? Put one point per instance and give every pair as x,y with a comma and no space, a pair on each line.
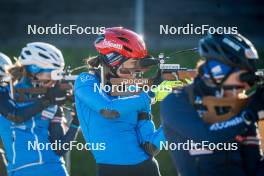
216,109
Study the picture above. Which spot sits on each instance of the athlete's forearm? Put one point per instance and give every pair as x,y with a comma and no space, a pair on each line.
99,101
17,114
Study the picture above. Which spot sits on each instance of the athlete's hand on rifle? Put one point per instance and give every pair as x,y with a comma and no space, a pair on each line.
56,95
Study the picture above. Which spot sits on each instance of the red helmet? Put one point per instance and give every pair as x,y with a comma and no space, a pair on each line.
123,41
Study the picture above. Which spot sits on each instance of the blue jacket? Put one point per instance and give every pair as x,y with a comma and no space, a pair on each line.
19,138
182,123
122,135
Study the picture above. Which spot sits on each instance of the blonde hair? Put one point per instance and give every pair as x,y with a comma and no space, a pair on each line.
199,63
17,71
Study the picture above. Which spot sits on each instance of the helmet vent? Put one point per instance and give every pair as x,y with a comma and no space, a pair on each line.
128,49
44,56
53,56
43,49
28,52
57,55
123,39
22,57
56,65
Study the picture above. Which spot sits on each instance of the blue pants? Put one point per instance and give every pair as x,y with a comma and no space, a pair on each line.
50,169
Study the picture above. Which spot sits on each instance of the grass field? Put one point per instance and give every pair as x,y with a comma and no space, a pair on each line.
82,162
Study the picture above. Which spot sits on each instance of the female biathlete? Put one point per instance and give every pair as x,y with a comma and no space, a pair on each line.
122,124
22,135
14,113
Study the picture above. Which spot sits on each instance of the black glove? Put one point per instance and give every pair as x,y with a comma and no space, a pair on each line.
75,120
56,95
150,149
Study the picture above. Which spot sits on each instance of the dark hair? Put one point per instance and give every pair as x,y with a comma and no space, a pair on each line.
96,61
93,61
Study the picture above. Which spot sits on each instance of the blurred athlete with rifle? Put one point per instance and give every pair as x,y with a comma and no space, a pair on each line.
218,107
36,63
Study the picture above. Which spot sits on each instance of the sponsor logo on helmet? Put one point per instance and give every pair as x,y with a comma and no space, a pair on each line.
217,70
114,45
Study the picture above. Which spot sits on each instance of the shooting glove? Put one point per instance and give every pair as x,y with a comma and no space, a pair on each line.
56,96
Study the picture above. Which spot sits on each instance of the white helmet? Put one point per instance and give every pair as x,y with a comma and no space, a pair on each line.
4,62
42,55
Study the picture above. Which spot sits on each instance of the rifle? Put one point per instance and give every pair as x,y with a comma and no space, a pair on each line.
256,79
65,80
165,72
